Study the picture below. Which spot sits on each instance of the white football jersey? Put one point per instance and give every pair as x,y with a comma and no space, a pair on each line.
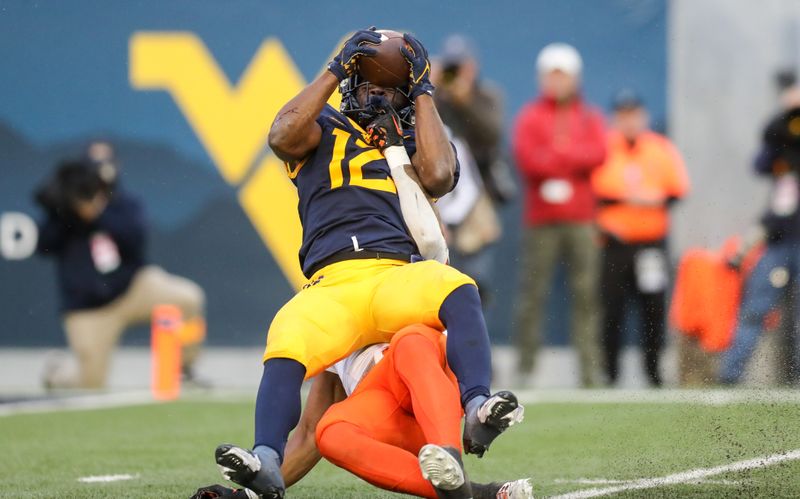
353,368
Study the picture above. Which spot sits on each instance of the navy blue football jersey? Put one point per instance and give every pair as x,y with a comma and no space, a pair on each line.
348,200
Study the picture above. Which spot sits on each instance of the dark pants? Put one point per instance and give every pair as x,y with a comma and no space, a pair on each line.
628,281
775,275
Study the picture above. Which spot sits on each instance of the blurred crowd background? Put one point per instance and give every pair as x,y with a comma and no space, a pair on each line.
629,177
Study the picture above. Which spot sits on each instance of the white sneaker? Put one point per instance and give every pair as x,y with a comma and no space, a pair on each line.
518,489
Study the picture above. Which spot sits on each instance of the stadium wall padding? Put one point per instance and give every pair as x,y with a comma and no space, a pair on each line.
67,79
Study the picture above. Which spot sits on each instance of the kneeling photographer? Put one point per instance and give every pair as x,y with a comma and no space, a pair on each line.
97,234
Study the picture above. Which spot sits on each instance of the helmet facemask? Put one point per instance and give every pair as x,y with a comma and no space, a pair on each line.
364,114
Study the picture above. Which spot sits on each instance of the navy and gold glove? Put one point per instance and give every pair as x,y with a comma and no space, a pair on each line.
417,58
343,65
385,130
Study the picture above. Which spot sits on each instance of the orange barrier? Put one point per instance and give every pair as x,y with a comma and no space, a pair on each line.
165,351
707,294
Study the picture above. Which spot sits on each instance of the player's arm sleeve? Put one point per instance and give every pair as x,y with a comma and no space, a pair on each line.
457,172
418,212
301,449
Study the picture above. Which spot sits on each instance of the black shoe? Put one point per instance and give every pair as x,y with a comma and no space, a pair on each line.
442,466
486,418
261,474
515,489
222,492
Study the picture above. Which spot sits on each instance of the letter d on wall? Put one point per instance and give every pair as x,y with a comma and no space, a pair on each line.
18,236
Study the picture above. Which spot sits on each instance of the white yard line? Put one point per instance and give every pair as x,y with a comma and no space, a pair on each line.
685,476
106,478
590,481
76,403
117,399
608,481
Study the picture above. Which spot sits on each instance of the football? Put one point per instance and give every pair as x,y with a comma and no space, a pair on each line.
388,68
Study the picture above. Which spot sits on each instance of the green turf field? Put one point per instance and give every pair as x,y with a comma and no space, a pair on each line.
563,447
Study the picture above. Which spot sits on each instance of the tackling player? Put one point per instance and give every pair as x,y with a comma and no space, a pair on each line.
357,252
397,429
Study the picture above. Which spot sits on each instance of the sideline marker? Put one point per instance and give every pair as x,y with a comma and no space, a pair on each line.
165,352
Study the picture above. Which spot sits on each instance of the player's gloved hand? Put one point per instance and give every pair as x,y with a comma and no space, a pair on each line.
385,130
221,492
343,65
417,58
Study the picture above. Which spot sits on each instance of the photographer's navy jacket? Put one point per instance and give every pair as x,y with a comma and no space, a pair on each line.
96,261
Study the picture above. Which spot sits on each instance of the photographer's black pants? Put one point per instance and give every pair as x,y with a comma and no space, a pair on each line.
620,288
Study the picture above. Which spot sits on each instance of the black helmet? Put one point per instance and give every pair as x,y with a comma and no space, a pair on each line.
351,108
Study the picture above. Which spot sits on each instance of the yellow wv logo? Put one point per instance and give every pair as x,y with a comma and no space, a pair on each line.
232,123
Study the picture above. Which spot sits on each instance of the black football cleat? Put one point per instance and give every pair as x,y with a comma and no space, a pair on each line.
222,492
442,466
486,418
259,471
515,489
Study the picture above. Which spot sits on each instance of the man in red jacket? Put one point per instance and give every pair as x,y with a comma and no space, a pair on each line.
558,141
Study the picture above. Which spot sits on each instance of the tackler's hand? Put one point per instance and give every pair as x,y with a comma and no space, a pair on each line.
420,67
358,45
385,130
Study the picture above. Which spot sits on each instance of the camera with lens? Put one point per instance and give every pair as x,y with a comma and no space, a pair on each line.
782,136
450,72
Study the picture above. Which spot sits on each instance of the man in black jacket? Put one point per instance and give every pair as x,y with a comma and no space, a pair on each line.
97,232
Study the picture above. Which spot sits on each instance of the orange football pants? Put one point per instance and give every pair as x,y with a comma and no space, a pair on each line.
409,399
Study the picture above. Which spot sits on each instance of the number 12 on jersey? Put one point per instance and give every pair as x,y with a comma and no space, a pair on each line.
356,166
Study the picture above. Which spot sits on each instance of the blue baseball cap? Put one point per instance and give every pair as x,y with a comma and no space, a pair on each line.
626,99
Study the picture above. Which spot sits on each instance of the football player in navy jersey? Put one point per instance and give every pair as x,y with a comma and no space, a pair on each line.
366,280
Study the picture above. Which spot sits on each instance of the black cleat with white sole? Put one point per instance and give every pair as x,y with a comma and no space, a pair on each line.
442,466
515,489
258,471
222,492
486,418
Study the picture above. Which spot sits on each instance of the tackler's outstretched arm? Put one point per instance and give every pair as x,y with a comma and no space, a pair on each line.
301,449
418,211
386,133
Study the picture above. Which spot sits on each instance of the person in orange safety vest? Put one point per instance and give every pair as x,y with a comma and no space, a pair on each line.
641,178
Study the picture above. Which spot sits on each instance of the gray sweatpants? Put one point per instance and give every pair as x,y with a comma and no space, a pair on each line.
543,248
